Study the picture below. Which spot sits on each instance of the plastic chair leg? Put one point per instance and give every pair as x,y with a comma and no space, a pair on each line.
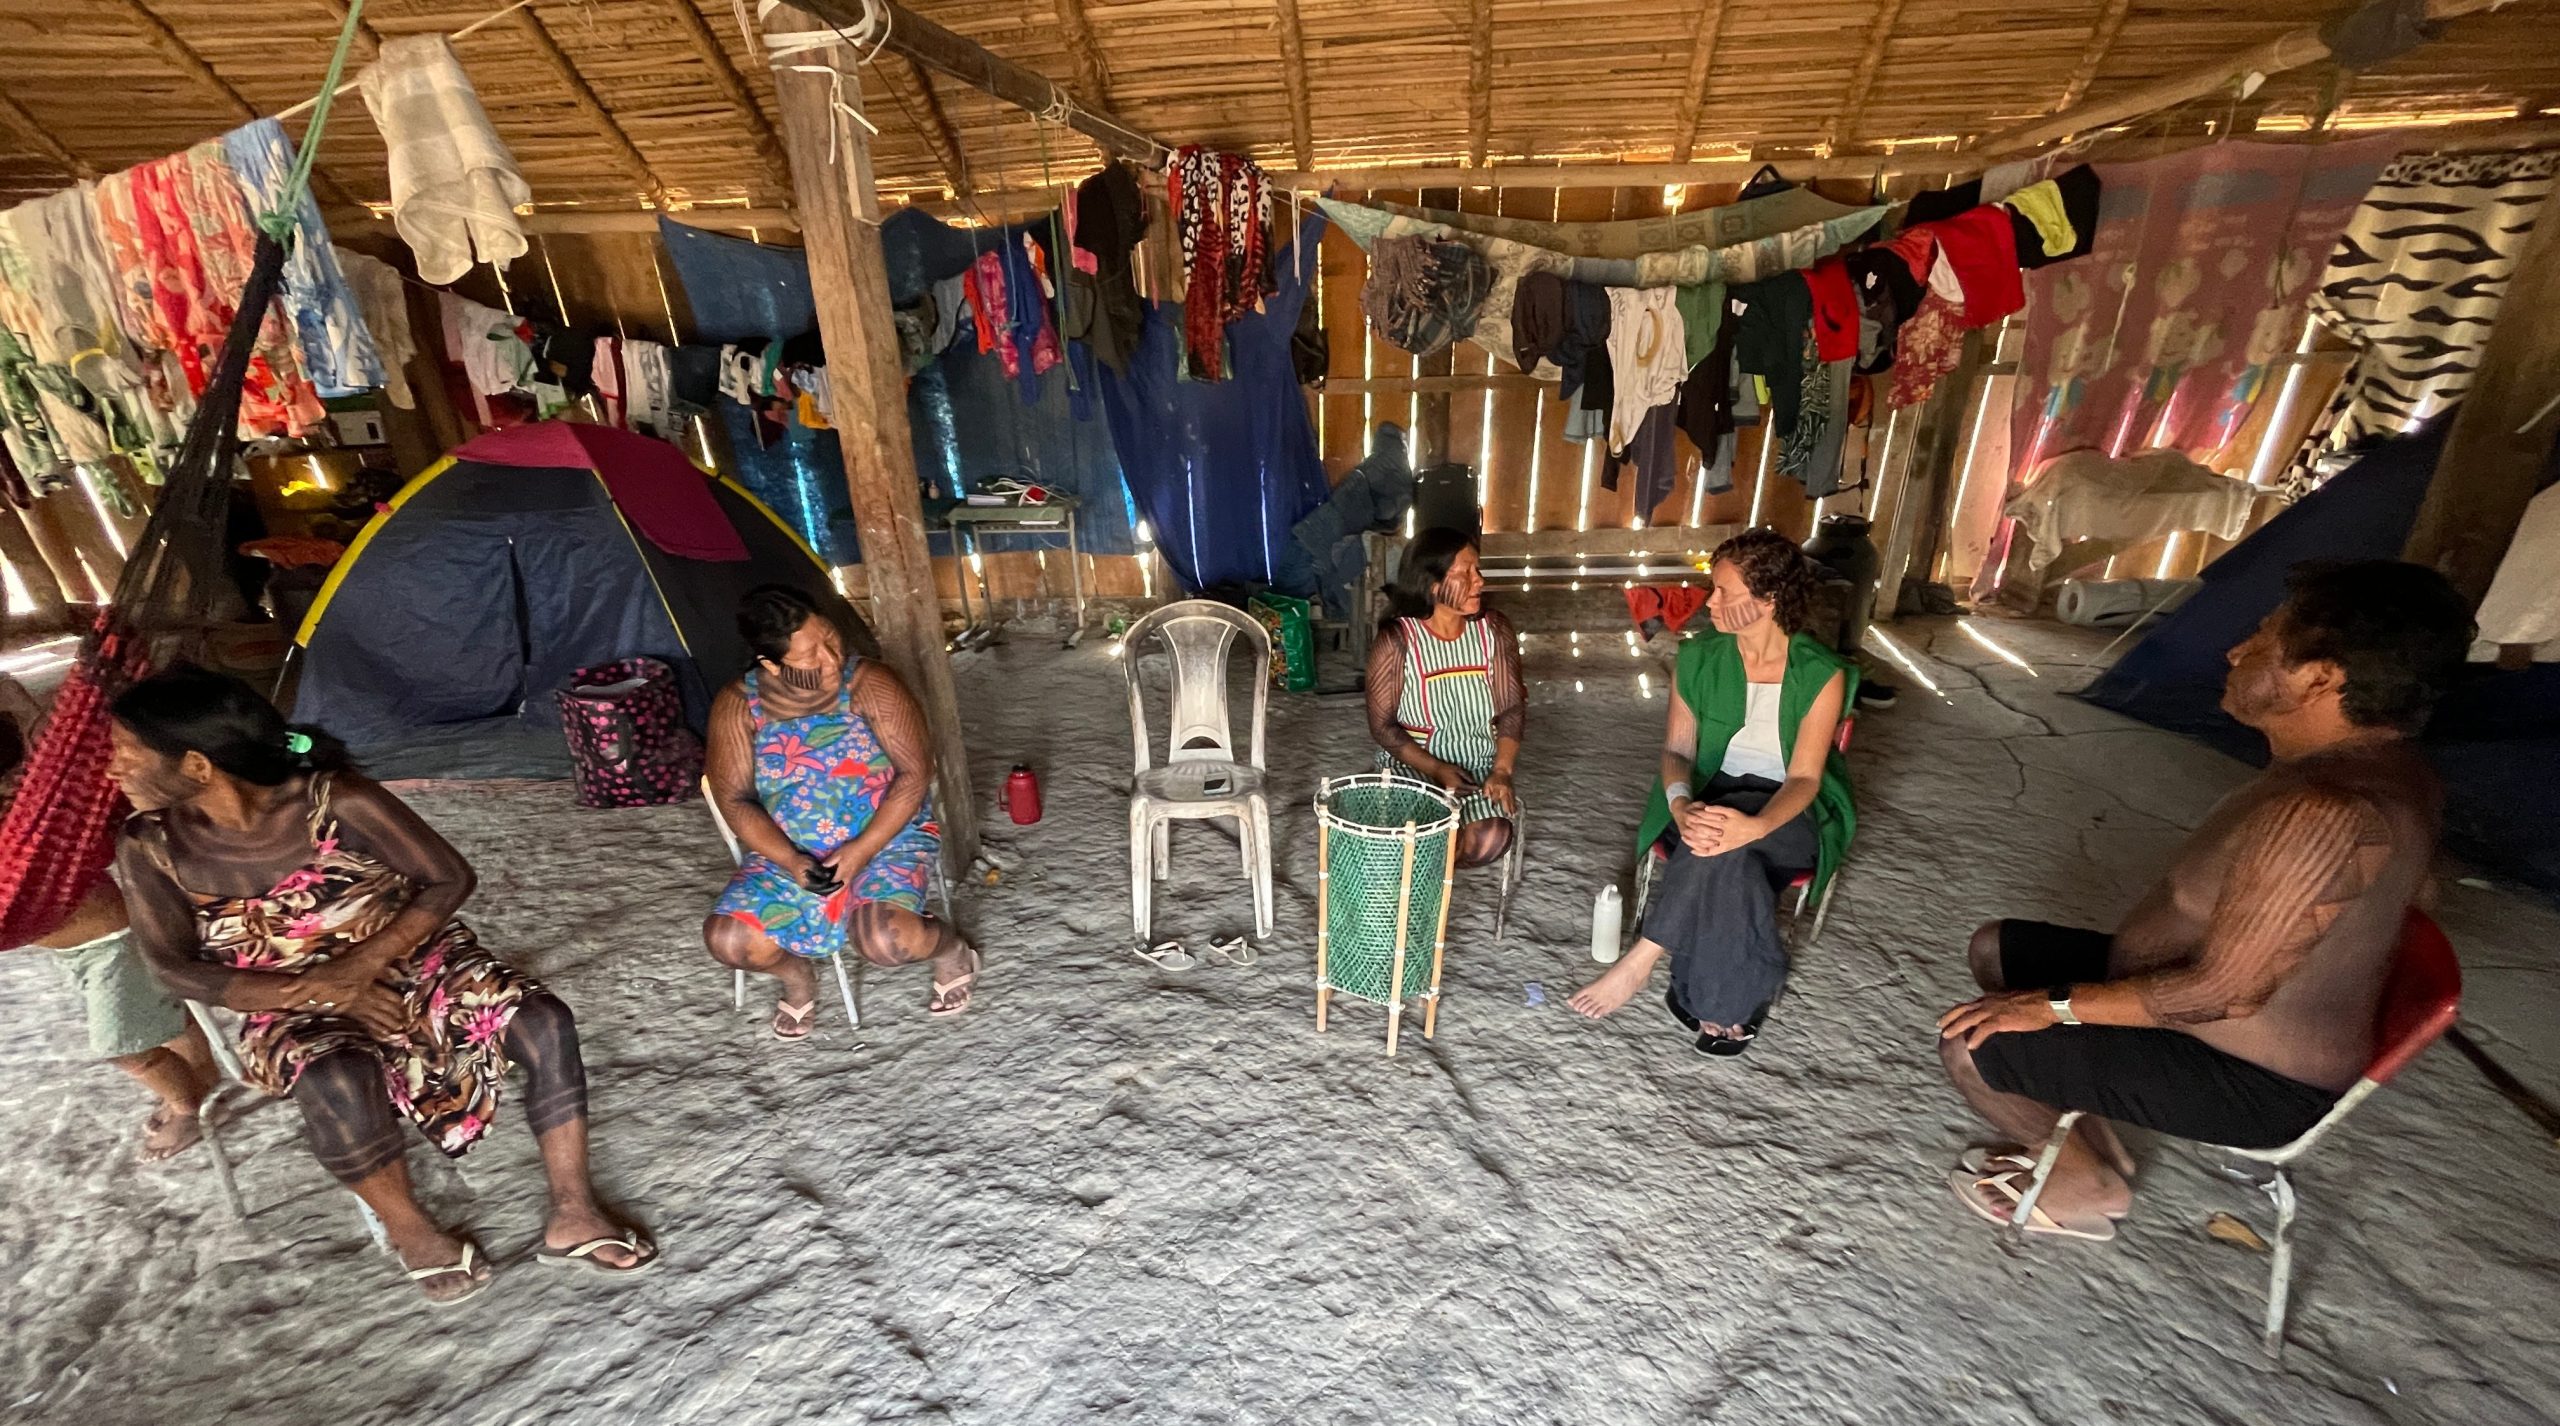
738,989
2280,1271
1258,867
1821,910
852,1017
221,1161
2021,1215
1141,871
1164,848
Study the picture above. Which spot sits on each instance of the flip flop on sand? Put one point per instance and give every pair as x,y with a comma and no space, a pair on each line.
1236,951
951,997
1993,1197
468,1269
791,1022
1983,1160
1165,955
584,1255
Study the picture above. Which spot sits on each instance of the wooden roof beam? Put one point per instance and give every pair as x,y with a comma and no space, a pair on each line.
733,87
1843,126
1479,80
1293,74
1693,95
368,39
592,105
940,135
15,118
2291,50
2093,55
1093,77
173,48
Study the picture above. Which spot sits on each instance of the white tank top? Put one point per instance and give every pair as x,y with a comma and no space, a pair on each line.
1755,751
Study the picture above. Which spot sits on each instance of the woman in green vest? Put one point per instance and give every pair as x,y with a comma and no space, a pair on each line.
1751,796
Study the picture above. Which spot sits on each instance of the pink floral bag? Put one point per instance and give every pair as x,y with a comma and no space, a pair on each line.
627,736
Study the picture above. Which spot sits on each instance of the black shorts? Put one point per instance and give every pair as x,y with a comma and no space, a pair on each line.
2161,1079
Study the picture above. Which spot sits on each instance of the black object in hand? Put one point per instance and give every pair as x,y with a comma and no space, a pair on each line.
819,878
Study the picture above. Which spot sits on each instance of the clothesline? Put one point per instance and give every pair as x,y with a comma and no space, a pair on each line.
473,28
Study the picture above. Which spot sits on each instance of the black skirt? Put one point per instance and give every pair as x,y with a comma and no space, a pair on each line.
1718,915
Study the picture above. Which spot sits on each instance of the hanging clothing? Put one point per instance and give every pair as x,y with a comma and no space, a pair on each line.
1835,309
492,346
1423,294
194,225
649,395
1648,355
1705,407
1654,451
2041,205
1930,345
950,299
1537,318
1811,453
606,373
1110,217
454,184
337,349
1982,249
1222,206
1776,324
382,302
447,1068
1701,318
1586,331
2076,192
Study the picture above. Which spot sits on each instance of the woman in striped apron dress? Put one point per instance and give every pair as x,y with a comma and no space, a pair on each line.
1445,703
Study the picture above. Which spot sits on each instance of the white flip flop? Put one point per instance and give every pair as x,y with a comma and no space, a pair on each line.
1165,955
1234,951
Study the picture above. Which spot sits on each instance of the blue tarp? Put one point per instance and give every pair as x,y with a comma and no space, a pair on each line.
1222,469
2495,739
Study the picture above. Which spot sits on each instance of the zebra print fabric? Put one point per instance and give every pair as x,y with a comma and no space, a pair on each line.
2416,282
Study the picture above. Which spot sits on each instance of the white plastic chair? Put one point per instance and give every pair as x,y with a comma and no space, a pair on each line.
235,1083
1201,776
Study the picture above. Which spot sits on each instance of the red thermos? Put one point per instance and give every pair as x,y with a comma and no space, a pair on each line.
1022,794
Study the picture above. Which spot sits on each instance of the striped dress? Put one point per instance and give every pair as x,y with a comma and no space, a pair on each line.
1447,703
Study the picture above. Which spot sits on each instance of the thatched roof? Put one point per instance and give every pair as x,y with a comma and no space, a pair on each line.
606,100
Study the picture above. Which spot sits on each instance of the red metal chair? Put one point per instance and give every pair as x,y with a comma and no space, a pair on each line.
2419,1004
1801,884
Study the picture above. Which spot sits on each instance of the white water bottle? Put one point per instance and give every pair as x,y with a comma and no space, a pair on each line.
1604,925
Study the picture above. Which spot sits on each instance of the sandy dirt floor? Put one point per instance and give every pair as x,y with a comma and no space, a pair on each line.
1119,1194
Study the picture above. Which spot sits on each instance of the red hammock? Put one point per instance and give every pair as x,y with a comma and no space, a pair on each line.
60,830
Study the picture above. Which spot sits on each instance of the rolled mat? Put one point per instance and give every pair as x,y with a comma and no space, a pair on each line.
2114,603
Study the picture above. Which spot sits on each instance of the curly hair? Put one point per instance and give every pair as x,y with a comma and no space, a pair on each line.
1772,569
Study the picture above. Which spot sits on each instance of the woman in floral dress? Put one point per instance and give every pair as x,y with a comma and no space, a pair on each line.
265,877
821,766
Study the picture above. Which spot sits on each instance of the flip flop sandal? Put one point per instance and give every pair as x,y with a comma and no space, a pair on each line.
466,1269
1985,1160
1970,1191
1238,951
1724,1046
1165,955
584,1255
800,1018
951,997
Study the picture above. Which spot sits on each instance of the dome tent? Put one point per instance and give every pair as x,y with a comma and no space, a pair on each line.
525,555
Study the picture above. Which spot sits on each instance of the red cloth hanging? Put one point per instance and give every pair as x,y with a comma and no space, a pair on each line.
1982,247
1835,310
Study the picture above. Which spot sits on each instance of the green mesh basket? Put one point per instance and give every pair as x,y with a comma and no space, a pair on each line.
1369,823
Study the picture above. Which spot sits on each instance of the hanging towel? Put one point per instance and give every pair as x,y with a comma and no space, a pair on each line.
454,185
384,306
1980,247
1835,309
1648,354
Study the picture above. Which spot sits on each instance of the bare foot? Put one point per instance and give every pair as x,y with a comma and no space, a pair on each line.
570,1228
441,1250
169,1132
1612,991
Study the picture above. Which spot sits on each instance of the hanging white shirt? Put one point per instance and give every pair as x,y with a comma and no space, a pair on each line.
1756,751
1648,355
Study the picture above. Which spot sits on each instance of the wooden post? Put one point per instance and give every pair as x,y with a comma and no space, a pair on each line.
849,277
1324,908
1404,919
1440,933
2503,433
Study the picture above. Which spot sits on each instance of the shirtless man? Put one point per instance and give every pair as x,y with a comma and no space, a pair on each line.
2237,1001
134,1022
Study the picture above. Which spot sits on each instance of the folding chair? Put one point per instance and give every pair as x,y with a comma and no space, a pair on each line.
2419,1004
1650,867
235,1085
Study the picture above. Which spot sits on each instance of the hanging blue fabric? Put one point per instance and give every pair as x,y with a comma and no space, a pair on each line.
1222,469
338,352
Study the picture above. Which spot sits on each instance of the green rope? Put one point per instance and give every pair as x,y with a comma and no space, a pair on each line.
280,223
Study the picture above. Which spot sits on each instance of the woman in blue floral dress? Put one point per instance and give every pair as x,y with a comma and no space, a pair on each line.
821,766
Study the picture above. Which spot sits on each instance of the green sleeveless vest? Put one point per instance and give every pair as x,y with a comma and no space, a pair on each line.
1710,679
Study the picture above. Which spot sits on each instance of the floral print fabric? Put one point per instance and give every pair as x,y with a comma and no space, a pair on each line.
821,778
445,1069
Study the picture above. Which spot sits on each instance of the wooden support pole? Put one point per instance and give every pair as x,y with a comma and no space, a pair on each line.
1606,175
732,86
15,118
1404,923
599,115
2291,50
1293,74
1431,408
1842,127
1440,932
849,277
1479,80
1324,914
973,64
1928,493
2503,433
1693,94
1093,77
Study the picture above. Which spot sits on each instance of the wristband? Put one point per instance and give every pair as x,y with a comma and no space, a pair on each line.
1677,792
